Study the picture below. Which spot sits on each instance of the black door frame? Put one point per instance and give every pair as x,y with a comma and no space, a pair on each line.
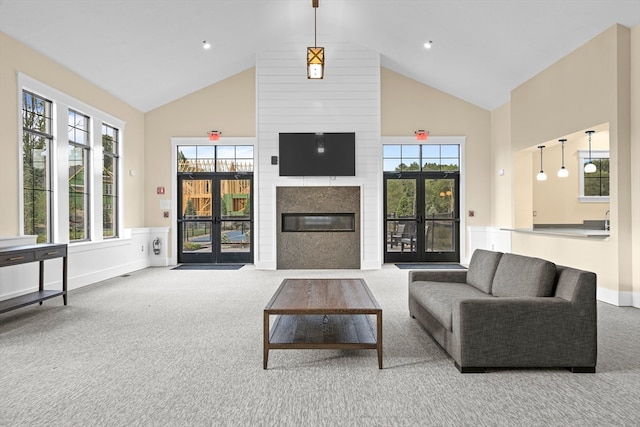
215,255
414,242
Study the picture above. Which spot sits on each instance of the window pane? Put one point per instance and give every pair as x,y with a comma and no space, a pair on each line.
78,193
205,160
411,151
244,152
391,151
430,151
109,139
215,158
226,152
110,197
186,158
431,164
427,157
391,165
36,113
36,161
409,164
596,184
450,151
450,164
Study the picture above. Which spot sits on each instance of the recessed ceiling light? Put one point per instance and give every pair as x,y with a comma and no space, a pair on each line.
206,45
428,44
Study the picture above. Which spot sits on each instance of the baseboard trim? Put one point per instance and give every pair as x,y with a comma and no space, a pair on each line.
618,298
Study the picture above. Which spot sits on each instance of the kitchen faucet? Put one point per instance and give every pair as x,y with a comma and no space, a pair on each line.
606,220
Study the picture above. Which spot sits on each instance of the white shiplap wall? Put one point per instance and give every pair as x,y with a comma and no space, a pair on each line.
346,100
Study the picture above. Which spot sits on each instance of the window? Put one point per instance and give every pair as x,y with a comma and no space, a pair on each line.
110,141
594,187
79,173
215,158
426,158
72,151
36,166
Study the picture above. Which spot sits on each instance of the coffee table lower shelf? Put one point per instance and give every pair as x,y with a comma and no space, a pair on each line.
317,331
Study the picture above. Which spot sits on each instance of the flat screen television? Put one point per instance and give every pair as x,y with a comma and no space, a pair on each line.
318,154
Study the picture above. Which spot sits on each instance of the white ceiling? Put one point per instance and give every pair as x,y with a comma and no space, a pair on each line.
149,52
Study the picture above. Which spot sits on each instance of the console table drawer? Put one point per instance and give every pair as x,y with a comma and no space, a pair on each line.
51,253
16,258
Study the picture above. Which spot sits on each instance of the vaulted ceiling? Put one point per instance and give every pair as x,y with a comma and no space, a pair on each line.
149,52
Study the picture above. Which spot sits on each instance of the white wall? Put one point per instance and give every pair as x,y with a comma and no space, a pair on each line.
346,100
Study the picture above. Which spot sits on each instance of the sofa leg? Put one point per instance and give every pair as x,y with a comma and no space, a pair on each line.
469,370
583,369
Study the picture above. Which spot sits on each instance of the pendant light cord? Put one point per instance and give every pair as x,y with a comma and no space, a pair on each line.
541,147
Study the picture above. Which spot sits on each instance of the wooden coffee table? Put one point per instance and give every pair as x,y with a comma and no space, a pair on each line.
323,314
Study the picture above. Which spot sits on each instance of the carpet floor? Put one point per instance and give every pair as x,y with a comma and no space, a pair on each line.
174,348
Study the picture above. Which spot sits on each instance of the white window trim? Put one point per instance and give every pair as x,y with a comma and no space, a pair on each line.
62,103
583,156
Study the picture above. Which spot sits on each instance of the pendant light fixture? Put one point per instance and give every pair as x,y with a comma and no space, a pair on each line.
590,167
562,172
541,175
315,54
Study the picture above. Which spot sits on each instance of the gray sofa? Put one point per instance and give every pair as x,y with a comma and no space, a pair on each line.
509,311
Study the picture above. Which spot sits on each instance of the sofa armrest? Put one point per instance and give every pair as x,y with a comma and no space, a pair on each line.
524,331
455,276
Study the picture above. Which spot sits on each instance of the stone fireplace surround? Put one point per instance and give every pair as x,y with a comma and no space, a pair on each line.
338,249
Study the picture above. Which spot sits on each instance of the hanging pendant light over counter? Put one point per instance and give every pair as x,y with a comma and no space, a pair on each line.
541,175
562,172
590,167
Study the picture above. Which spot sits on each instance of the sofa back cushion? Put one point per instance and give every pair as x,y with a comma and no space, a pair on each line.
523,276
482,268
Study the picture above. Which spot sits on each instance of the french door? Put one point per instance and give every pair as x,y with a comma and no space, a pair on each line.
422,217
215,222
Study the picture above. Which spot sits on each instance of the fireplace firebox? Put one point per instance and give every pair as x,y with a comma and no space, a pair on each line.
318,222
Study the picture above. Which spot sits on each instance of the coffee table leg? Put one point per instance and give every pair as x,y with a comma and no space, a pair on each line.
379,338
265,355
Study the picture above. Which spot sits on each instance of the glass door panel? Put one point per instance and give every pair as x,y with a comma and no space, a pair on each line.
441,218
195,220
196,237
236,220
401,219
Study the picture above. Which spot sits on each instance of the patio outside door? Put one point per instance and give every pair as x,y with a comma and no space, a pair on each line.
422,220
215,220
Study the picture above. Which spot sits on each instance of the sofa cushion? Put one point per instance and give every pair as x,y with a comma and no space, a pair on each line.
438,297
522,276
482,268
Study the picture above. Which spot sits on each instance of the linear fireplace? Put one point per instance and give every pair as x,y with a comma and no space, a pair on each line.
318,222
318,227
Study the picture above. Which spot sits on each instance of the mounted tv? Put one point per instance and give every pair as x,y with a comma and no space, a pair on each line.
318,154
